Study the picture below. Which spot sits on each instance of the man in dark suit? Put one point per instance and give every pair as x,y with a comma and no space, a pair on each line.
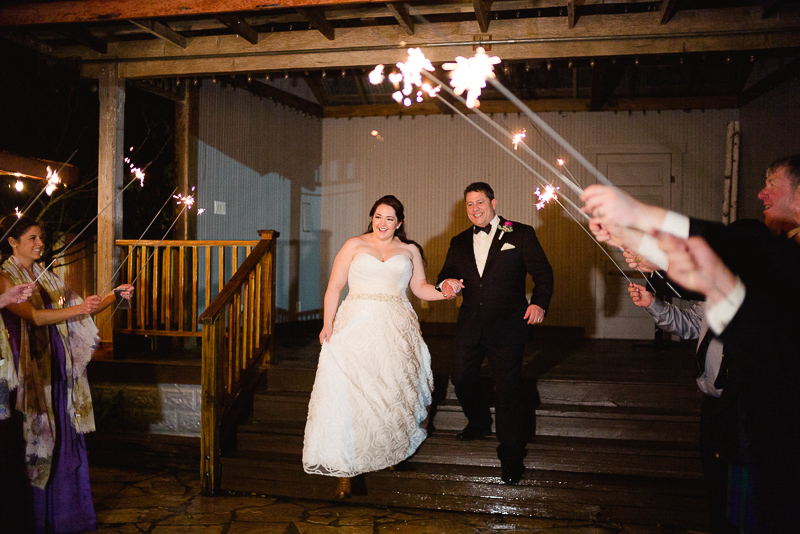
492,260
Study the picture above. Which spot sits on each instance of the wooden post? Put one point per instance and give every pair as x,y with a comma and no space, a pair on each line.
209,424
109,183
186,157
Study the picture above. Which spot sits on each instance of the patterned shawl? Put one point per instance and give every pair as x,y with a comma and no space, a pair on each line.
33,380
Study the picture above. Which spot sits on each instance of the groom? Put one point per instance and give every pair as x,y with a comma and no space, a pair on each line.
493,259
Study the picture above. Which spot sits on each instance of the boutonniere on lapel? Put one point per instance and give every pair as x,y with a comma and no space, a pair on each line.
507,228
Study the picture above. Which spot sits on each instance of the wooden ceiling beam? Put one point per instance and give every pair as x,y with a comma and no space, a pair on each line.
483,13
400,12
546,38
84,36
240,27
162,31
317,19
542,105
108,10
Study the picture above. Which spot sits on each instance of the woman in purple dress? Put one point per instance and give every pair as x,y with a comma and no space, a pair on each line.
45,403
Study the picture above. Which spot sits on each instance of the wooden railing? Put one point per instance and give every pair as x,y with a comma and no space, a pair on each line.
237,342
175,281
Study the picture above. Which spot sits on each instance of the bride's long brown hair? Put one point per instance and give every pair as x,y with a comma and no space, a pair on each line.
399,211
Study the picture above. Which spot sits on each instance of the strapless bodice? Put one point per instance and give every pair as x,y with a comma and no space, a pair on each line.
369,275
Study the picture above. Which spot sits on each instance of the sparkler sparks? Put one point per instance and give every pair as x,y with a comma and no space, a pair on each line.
518,137
470,74
545,196
410,75
52,181
376,77
137,172
17,213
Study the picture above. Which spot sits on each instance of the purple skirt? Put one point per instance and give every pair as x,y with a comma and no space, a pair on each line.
65,505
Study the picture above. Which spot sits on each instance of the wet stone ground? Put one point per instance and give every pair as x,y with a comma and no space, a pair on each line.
169,502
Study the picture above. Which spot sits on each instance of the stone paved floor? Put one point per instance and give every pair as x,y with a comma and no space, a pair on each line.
169,502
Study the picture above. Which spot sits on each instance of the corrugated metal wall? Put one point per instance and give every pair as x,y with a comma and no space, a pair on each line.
262,161
427,162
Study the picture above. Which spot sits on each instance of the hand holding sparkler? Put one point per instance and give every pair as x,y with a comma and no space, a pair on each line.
637,262
17,294
610,206
694,265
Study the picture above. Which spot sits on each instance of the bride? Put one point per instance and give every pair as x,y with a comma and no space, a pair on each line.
374,382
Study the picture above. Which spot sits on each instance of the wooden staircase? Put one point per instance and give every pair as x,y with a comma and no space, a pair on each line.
605,450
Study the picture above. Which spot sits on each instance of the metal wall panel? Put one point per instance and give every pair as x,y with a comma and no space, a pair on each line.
427,161
262,161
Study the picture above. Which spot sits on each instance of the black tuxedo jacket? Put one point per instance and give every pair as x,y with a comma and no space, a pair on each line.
500,292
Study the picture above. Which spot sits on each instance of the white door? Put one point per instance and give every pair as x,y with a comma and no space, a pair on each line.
647,177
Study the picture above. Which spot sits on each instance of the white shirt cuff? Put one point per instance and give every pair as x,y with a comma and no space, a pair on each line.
648,247
721,314
676,224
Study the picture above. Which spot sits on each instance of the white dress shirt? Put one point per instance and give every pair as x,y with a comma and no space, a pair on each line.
482,242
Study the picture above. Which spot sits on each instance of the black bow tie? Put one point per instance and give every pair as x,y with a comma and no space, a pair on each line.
477,229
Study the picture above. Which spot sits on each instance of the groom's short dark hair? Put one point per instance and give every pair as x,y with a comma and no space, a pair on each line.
480,187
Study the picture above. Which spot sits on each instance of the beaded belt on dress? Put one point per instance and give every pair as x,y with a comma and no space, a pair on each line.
383,297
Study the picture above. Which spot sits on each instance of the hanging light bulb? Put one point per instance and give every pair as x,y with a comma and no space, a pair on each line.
19,186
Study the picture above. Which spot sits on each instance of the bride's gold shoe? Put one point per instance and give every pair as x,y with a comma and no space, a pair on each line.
343,488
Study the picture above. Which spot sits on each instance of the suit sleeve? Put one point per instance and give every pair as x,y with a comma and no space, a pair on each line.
450,267
539,268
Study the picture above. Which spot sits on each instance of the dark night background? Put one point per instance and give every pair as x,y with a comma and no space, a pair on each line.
49,112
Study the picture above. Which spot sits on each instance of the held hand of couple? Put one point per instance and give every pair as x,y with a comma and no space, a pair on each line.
451,287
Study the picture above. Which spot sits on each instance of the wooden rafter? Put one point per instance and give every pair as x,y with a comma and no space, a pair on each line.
400,12
317,19
281,97
770,7
26,40
362,91
84,36
314,83
240,27
598,91
572,16
667,10
162,31
483,12
784,73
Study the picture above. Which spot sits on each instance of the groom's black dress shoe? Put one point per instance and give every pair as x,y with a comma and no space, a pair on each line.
511,472
471,432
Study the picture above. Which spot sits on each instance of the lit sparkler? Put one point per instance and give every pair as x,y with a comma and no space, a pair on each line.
376,77
17,213
545,196
470,74
410,75
518,137
52,181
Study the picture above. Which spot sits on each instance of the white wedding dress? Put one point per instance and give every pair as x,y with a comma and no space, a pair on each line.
374,381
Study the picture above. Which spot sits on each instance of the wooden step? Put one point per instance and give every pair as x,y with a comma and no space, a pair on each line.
541,493
683,397
551,419
640,458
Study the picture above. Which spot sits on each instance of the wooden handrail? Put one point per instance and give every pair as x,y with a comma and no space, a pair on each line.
237,342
